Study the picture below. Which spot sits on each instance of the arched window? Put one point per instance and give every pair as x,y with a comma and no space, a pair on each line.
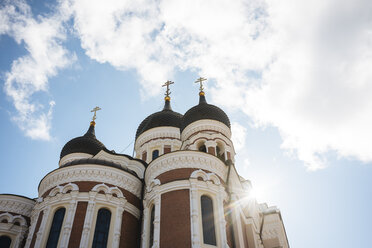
55,229
155,154
152,218
202,148
209,232
101,231
5,241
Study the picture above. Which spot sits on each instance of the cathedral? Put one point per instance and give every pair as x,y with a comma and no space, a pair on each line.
180,190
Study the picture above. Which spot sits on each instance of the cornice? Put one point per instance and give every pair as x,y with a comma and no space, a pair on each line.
158,132
184,159
15,204
92,173
201,125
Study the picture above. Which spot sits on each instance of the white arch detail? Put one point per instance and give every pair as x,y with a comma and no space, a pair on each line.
63,189
107,189
206,176
12,219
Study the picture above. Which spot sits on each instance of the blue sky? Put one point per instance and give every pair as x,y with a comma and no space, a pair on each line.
293,76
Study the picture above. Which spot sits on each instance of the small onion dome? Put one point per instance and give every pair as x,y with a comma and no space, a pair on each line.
165,118
204,111
88,143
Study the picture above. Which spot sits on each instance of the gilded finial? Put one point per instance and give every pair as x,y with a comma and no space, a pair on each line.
200,81
167,92
95,115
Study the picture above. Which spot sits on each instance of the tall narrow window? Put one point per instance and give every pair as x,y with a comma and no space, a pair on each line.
152,218
203,148
209,232
5,241
55,229
155,154
101,231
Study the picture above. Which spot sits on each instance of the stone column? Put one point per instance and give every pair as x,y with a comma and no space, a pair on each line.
118,220
34,216
145,229
194,211
157,221
69,219
88,220
20,236
221,216
42,230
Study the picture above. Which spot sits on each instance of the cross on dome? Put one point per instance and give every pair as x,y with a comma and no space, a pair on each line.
167,92
200,81
95,112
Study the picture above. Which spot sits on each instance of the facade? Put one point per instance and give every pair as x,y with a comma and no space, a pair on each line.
181,190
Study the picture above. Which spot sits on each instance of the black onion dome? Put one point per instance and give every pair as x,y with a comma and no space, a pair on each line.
165,118
88,143
204,111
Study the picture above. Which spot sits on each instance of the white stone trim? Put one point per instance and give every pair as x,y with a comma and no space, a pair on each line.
206,176
107,189
124,162
16,204
73,156
13,218
157,132
63,189
90,172
185,159
201,125
16,233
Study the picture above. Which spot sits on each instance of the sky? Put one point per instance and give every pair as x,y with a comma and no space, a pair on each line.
293,76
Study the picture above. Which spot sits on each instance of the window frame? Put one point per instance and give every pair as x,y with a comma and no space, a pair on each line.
214,212
51,224
108,228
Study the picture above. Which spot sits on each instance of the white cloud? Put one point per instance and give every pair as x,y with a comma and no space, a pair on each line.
239,134
301,66
29,74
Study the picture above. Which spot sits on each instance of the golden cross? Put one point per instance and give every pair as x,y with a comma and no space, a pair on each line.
167,93
95,111
200,81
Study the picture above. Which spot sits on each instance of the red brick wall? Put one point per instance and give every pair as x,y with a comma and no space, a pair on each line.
212,150
130,231
36,229
179,174
77,226
175,220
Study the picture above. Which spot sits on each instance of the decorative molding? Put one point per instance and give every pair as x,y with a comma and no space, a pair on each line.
206,176
95,173
16,204
62,189
185,159
201,125
108,190
73,156
124,161
157,132
13,218
153,183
